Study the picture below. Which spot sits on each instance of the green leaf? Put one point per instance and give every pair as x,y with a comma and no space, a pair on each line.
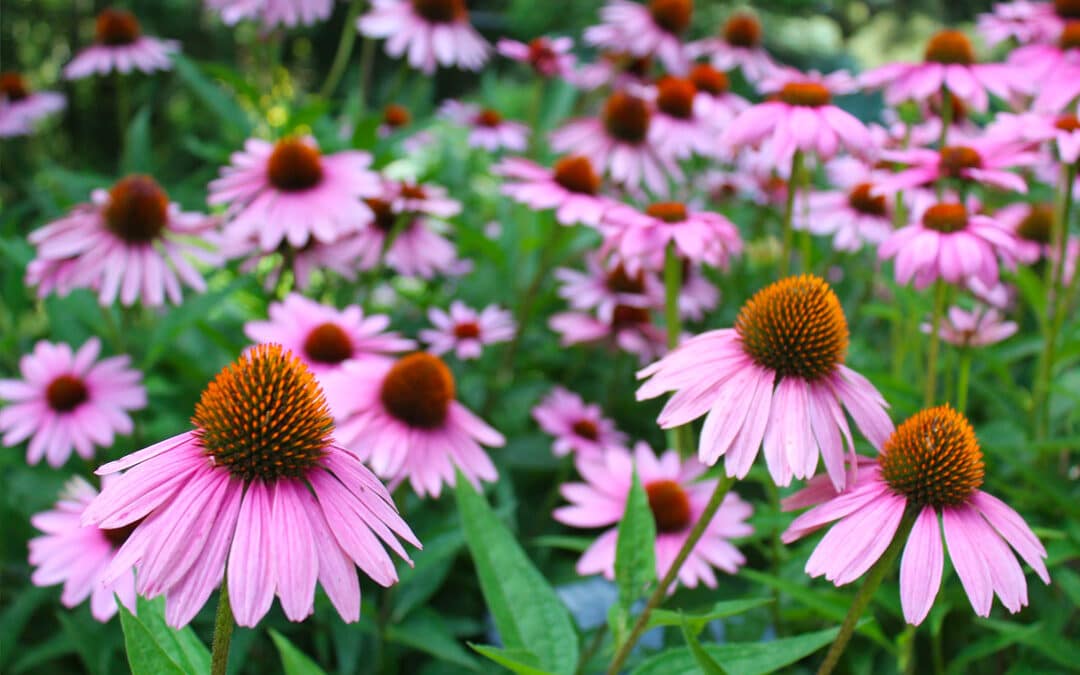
705,662
516,660
635,548
138,153
526,610
294,661
214,97
182,646
426,631
144,653
721,610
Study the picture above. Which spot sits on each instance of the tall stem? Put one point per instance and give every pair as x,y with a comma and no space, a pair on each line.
935,342
679,438
962,380
223,630
866,593
789,212
723,485
946,122
344,50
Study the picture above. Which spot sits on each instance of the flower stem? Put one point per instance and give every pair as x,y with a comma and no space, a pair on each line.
866,593
679,438
962,380
935,342
789,212
344,50
946,122
723,485
223,630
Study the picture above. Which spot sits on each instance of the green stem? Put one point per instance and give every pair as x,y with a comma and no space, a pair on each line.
723,485
344,50
679,438
789,212
962,380
123,111
866,593
223,630
946,122
935,342
590,651
367,59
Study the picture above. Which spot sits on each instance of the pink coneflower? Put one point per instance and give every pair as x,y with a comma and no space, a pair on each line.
1041,63
851,213
1063,130
778,376
944,240
683,121
577,426
120,46
273,12
978,328
1020,20
129,242
488,129
422,198
606,284
676,498
800,116
645,30
466,331
395,118
548,57
930,469
738,45
615,69
403,418
289,191
259,482
340,256
697,295
433,32
324,337
629,328
714,96
1060,86
21,109
698,236
69,401
406,242
571,187
982,160
77,556
949,63
618,143
1032,225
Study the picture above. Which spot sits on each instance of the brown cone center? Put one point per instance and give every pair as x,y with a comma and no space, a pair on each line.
1067,9
586,429
440,11
946,218
675,97
955,159
467,330
669,212
933,458
710,80
576,174
294,166
742,30
862,201
1037,224
626,117
418,390
670,506
116,27
488,118
396,116
806,94
65,393
328,343
950,47
672,15
619,280
13,86
137,211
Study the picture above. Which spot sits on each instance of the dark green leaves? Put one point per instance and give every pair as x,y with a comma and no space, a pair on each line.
154,648
635,549
294,661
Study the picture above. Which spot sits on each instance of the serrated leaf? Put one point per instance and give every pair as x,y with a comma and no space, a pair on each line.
145,656
635,548
294,661
721,610
526,610
705,662
516,660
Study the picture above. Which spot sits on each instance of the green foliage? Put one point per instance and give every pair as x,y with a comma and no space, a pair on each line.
635,553
153,648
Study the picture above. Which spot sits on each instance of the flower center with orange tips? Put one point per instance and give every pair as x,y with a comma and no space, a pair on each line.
264,416
13,86
586,429
116,27
467,330
933,459
945,218
795,327
488,118
138,210
294,166
1069,123
742,30
396,116
669,212
709,80
675,97
953,160
418,390
440,11
384,216
670,506
1067,9
328,343
576,174
672,15
626,117
625,316
65,393
619,280
806,94
950,47
862,201
1037,224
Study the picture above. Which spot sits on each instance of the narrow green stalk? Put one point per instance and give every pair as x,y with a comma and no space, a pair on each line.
344,50
591,649
962,380
789,212
223,630
723,485
367,59
935,342
679,438
866,593
946,122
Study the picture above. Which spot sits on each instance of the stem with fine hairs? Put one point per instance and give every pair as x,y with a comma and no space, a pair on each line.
223,630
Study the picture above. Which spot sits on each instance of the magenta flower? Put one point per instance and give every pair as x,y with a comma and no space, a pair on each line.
1060,85
421,198
21,109
851,212
1031,226
284,513
466,331
416,248
603,286
68,552
273,13
677,499
1020,20
931,468
324,337
432,32
983,160
617,69
488,129
698,236
977,328
1063,131
548,57
645,30
120,46
571,187
340,257
683,120
130,242
739,45
577,426
777,377
714,96
289,192
629,328
403,418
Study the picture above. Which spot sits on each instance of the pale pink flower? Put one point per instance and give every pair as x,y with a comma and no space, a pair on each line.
340,257
415,247
605,284
120,46
1036,128
420,198
577,426
615,69
129,242
932,468
718,103
697,295
69,401
654,29
488,129
548,57
699,236
978,328
851,213
1040,65
1020,20
273,12
571,187
777,377
68,552
466,331
283,516
629,328
738,45
403,418
21,109
684,121
984,160
1032,226
432,33
677,498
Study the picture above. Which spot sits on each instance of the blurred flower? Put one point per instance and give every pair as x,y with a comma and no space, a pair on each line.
852,213
395,118
21,109
433,32
696,294
980,160
642,237
1040,63
273,12
1037,128
69,401
406,242
571,187
676,498
466,331
549,57
1032,226
1026,22
603,286
777,376
284,516
577,426
616,69
977,328
77,555
403,418
487,127
931,467
714,96
339,256
324,337
683,121
645,30
737,46
130,241
421,198
629,329
289,191
120,46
